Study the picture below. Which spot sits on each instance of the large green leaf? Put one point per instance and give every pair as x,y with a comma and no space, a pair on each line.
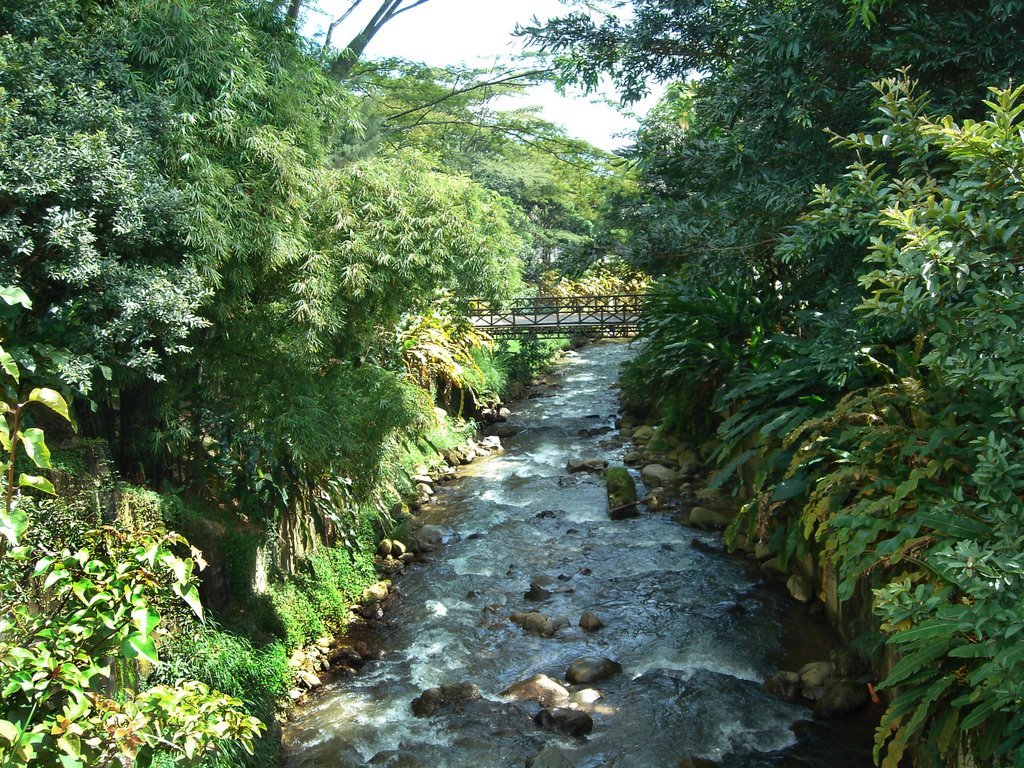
35,446
13,525
51,399
136,646
14,295
37,482
9,365
8,731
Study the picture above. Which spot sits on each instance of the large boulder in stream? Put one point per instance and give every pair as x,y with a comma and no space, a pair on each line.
451,697
621,493
539,688
591,669
571,722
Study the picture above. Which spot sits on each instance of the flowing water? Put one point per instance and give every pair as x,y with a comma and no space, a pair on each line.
694,629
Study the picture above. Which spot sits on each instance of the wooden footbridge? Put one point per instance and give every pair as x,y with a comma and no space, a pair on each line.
602,316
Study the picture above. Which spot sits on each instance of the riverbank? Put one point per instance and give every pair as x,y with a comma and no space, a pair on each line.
693,628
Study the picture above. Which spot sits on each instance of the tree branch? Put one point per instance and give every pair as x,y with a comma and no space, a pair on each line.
469,89
341,67
336,23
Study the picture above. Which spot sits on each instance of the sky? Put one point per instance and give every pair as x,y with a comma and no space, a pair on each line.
479,32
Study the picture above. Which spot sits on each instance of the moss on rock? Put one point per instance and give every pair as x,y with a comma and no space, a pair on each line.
622,498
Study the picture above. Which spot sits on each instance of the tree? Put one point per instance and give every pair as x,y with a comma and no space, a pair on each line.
387,11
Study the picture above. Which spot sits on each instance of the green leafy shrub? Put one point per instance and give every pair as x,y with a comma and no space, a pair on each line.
913,479
692,336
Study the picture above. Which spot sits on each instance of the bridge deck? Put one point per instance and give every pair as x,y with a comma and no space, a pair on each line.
612,315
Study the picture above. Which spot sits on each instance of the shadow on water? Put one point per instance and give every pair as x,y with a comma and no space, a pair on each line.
694,629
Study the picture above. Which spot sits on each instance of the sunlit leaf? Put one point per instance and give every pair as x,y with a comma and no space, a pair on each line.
37,482
51,399
34,443
14,295
9,365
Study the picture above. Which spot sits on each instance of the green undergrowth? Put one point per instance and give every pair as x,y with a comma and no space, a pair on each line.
487,375
229,662
314,602
522,359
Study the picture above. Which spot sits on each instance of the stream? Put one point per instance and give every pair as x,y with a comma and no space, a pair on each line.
695,630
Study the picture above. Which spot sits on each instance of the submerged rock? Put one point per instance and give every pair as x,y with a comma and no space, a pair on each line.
446,697
585,697
539,688
549,757
590,622
571,722
591,669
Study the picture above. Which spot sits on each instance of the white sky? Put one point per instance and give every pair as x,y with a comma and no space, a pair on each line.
479,32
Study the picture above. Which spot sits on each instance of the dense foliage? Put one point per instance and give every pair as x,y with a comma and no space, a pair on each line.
841,313
243,285
72,616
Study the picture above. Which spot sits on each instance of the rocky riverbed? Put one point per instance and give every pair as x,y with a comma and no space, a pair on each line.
544,631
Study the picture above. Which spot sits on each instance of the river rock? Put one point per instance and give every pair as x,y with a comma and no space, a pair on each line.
537,623
621,489
714,498
384,548
784,685
585,697
815,678
643,435
841,698
698,762
539,688
376,592
585,465
800,588
549,757
433,535
633,457
571,722
590,622
591,669
657,474
536,593
453,697
709,519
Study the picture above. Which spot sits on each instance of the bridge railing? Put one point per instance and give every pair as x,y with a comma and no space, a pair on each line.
605,315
